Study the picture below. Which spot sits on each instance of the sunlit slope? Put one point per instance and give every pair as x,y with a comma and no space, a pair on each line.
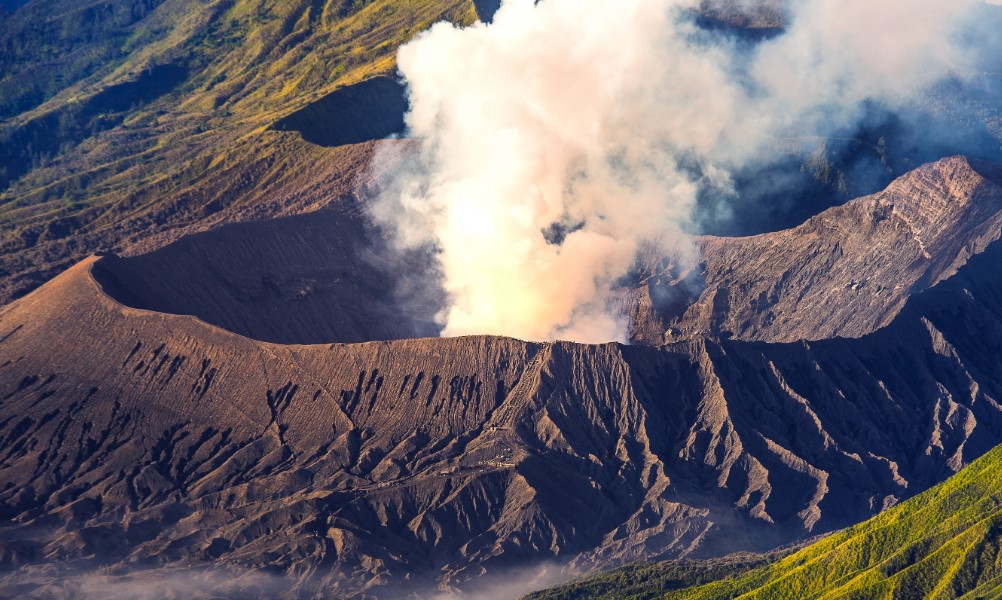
120,120
941,544
944,543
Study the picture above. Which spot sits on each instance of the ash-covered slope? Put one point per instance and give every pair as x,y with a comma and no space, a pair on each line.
310,278
846,272
944,543
145,447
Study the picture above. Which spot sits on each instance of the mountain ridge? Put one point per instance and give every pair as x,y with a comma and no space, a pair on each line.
108,169
787,282
231,396
90,168
469,450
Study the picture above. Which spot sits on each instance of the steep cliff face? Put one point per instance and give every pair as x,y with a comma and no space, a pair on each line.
138,442
846,272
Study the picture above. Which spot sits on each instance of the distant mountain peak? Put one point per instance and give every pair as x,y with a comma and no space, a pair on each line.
845,272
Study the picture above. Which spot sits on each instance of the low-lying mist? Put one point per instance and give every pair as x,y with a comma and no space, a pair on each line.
203,581
559,138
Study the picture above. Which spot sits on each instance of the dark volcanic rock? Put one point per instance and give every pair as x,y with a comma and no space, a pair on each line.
846,272
302,279
371,110
136,440
744,15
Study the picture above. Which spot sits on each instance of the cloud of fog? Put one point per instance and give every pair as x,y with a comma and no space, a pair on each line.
557,140
509,583
59,582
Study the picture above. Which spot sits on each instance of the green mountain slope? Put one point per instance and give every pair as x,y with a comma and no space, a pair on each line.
124,119
648,581
944,543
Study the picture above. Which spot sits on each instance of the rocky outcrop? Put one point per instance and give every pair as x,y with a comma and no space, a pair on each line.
844,273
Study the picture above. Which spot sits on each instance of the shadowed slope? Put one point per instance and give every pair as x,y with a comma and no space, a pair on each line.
303,279
371,110
486,9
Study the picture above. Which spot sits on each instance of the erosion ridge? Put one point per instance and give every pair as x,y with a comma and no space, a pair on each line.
845,272
388,467
941,544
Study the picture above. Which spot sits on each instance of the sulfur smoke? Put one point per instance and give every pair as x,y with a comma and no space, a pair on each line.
558,139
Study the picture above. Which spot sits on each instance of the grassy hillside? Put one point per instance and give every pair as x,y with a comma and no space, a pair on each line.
648,581
114,113
944,543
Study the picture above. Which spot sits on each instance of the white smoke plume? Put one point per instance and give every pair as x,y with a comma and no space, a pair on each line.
558,139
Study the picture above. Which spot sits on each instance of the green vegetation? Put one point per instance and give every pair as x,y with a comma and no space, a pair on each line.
46,47
647,581
111,111
944,543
